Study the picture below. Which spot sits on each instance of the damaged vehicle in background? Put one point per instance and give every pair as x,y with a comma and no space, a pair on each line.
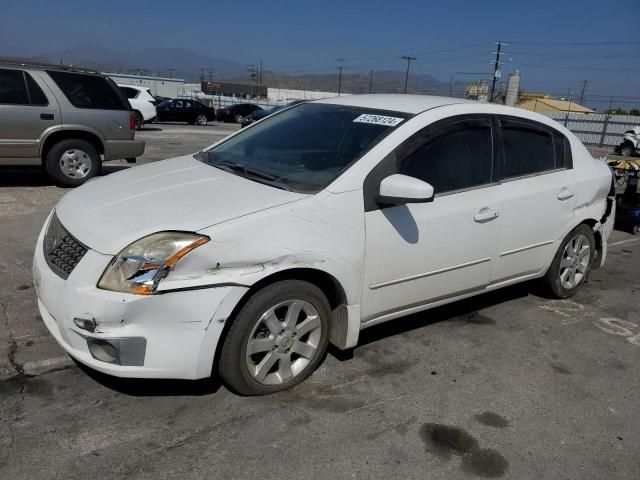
630,142
320,221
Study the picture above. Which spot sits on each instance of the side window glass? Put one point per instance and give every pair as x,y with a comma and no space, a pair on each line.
454,157
89,91
13,89
527,149
35,92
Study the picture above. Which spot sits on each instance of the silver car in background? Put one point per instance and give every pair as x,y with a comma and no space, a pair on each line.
65,119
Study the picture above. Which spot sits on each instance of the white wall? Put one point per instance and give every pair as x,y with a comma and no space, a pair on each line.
163,87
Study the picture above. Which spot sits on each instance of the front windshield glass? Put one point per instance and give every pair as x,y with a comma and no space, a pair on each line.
305,148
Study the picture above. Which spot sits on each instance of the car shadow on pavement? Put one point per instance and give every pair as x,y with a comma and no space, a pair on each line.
149,129
467,310
143,387
36,177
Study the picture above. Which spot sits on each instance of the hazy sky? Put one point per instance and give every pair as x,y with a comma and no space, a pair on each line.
556,44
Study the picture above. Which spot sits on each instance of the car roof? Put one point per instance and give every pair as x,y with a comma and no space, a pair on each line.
412,104
135,87
32,65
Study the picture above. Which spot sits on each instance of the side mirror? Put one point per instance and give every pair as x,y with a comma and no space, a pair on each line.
400,189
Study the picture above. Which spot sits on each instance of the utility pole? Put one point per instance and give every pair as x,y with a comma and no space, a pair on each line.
260,73
171,70
340,67
496,70
370,81
451,87
406,76
202,75
210,76
584,88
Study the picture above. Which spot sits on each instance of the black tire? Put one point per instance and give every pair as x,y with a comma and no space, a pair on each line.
204,120
54,155
627,149
232,365
551,281
139,119
239,118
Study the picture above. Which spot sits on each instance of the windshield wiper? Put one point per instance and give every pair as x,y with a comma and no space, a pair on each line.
250,173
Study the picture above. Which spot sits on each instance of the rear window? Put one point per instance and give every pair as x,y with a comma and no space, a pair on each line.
129,92
527,149
89,91
13,90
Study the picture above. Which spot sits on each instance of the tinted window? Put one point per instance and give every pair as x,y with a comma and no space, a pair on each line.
129,92
89,91
35,92
527,149
13,90
454,157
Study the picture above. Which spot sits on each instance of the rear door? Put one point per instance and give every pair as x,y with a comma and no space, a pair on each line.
537,202
25,113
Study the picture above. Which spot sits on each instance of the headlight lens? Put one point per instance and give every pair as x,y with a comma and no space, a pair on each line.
140,266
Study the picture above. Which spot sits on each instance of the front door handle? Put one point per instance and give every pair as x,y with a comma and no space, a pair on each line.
486,214
565,194
46,116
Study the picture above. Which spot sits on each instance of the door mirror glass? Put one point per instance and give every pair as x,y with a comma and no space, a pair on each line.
400,189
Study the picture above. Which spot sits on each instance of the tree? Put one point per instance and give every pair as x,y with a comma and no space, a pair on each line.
615,111
634,111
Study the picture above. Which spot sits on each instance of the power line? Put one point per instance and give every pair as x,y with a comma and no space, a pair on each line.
574,43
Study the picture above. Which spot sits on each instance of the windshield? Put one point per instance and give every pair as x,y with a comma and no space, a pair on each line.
304,148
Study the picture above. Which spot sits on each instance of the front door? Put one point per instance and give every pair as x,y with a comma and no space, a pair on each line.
423,253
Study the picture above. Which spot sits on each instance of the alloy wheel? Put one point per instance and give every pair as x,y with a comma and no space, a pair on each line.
575,262
284,340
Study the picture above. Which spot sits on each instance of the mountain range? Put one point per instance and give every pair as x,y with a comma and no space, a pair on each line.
182,63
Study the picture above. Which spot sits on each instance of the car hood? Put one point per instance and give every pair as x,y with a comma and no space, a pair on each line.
184,194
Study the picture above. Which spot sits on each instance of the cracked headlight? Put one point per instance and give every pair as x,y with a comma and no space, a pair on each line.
139,267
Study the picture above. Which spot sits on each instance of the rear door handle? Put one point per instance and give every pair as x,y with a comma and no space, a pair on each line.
565,194
46,116
486,214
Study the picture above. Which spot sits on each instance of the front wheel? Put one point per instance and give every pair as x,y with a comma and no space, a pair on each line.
277,339
572,263
239,118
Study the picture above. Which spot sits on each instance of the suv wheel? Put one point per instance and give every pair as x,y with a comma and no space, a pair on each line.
627,149
572,263
139,120
72,162
277,339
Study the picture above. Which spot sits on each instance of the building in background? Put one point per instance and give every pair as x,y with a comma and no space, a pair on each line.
160,86
549,105
477,91
231,89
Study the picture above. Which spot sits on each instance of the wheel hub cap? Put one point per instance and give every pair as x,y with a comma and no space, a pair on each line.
283,342
75,163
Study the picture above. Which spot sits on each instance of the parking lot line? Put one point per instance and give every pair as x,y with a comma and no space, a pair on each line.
624,242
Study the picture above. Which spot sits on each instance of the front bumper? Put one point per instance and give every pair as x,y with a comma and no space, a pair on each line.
181,329
117,149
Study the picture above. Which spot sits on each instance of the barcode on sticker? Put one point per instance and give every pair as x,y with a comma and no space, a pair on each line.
378,120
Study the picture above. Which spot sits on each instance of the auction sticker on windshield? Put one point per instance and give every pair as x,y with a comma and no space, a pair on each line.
378,120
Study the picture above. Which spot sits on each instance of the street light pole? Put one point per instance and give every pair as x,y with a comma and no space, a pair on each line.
406,77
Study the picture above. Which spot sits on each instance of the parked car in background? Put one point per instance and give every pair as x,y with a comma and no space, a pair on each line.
185,110
630,144
260,114
320,221
142,103
66,119
235,113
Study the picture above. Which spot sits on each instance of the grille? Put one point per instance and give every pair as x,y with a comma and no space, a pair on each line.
61,250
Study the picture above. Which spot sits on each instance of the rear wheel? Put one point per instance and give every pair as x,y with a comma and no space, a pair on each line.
572,263
72,162
239,118
201,119
277,339
139,120
626,150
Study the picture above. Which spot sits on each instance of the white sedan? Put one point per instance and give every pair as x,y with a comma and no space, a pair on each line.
246,259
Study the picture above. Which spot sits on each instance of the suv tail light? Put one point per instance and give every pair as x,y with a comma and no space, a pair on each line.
132,122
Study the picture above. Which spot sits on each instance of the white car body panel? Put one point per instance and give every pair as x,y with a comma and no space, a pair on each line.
386,263
142,102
